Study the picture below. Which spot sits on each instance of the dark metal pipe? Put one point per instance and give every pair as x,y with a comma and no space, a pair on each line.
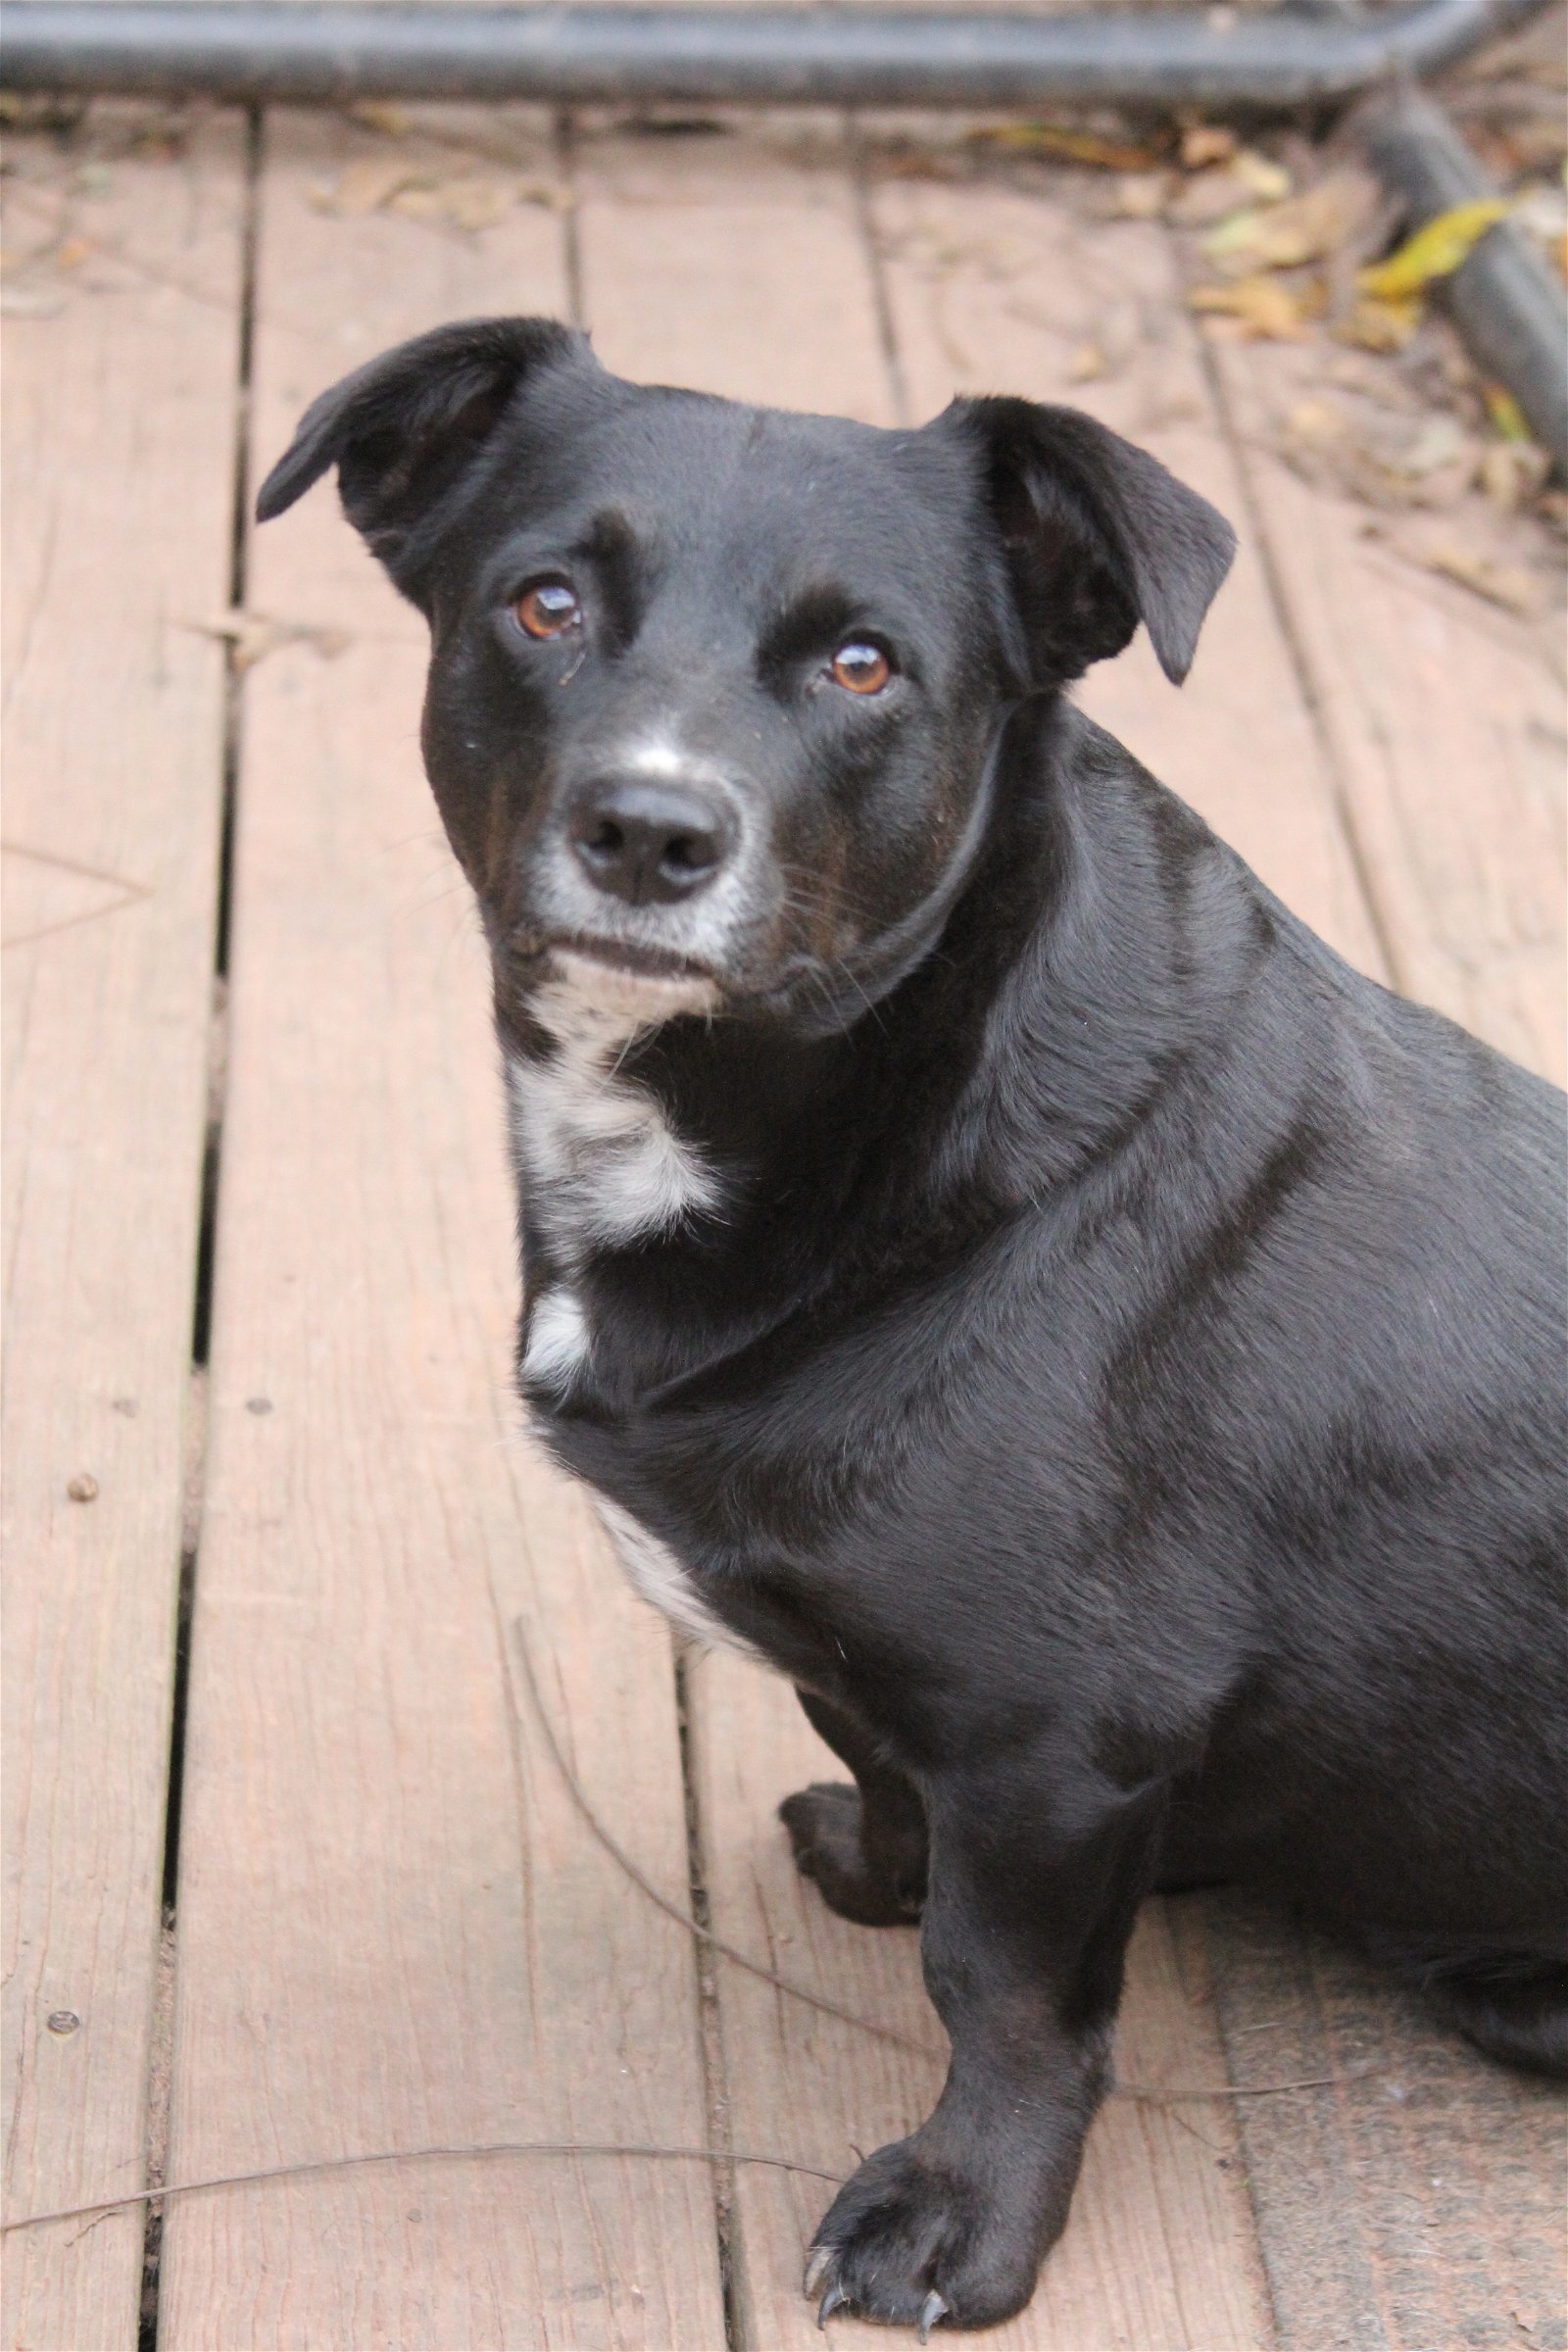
1507,304
280,50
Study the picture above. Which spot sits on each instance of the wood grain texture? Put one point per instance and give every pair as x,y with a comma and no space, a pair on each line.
1417,2200
394,1928
1445,721
738,265
120,388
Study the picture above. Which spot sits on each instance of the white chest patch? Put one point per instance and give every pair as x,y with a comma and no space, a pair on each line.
659,1577
601,1162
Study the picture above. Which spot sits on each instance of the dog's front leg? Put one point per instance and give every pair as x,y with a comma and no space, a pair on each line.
1035,1879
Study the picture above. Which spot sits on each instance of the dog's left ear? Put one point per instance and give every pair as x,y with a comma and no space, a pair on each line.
404,430
1098,536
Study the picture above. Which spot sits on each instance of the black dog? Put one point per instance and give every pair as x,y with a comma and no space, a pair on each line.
988,1258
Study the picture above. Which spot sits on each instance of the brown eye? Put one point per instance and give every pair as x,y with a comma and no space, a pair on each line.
861,668
547,609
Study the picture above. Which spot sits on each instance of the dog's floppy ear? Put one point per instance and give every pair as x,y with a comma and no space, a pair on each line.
1099,536
404,429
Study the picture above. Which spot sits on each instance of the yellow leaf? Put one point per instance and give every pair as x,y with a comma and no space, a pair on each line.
1506,412
1435,251
1073,146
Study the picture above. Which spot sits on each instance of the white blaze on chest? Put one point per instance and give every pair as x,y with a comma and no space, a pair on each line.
658,1576
601,1162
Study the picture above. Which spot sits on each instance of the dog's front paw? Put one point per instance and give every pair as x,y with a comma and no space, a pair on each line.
915,2240
824,1830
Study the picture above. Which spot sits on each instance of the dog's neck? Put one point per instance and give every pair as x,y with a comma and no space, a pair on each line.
696,1182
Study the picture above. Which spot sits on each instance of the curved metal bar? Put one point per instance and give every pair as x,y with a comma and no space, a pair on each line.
1505,301
281,50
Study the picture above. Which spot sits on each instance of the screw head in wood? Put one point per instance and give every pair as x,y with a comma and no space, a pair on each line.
61,2021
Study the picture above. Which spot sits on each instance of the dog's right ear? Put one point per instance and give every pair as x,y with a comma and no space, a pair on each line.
404,430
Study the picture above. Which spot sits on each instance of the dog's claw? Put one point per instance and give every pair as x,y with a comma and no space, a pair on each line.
819,2263
834,2300
934,2308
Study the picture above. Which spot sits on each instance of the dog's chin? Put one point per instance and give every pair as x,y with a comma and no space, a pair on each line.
625,983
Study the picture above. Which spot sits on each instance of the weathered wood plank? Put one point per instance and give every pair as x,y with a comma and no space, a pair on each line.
1445,721
118,427
1417,2199
738,265
393,1929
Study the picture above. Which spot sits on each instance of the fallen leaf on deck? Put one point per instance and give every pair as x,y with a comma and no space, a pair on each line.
1303,228
1512,471
72,253
1506,412
1379,457
1087,363
1506,584
1268,181
1206,143
470,202
380,114
1434,252
1209,196
1140,196
364,187
1267,310
1376,325
1072,146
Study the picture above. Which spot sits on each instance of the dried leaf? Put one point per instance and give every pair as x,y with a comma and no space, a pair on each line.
1265,310
470,202
1434,251
380,114
1206,143
72,253
1304,228
548,192
1506,412
1506,584
1070,145
1315,423
1268,181
1087,363
365,187
1209,196
1140,196
1381,326
1511,472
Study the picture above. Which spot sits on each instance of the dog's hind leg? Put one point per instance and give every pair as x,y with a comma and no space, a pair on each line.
865,1847
1513,2005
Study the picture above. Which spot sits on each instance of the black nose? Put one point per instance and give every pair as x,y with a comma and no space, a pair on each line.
647,842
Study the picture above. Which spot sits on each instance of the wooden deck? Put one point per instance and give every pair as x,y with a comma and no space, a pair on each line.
259,1286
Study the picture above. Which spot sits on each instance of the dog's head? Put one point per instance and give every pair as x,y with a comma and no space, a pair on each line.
715,691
